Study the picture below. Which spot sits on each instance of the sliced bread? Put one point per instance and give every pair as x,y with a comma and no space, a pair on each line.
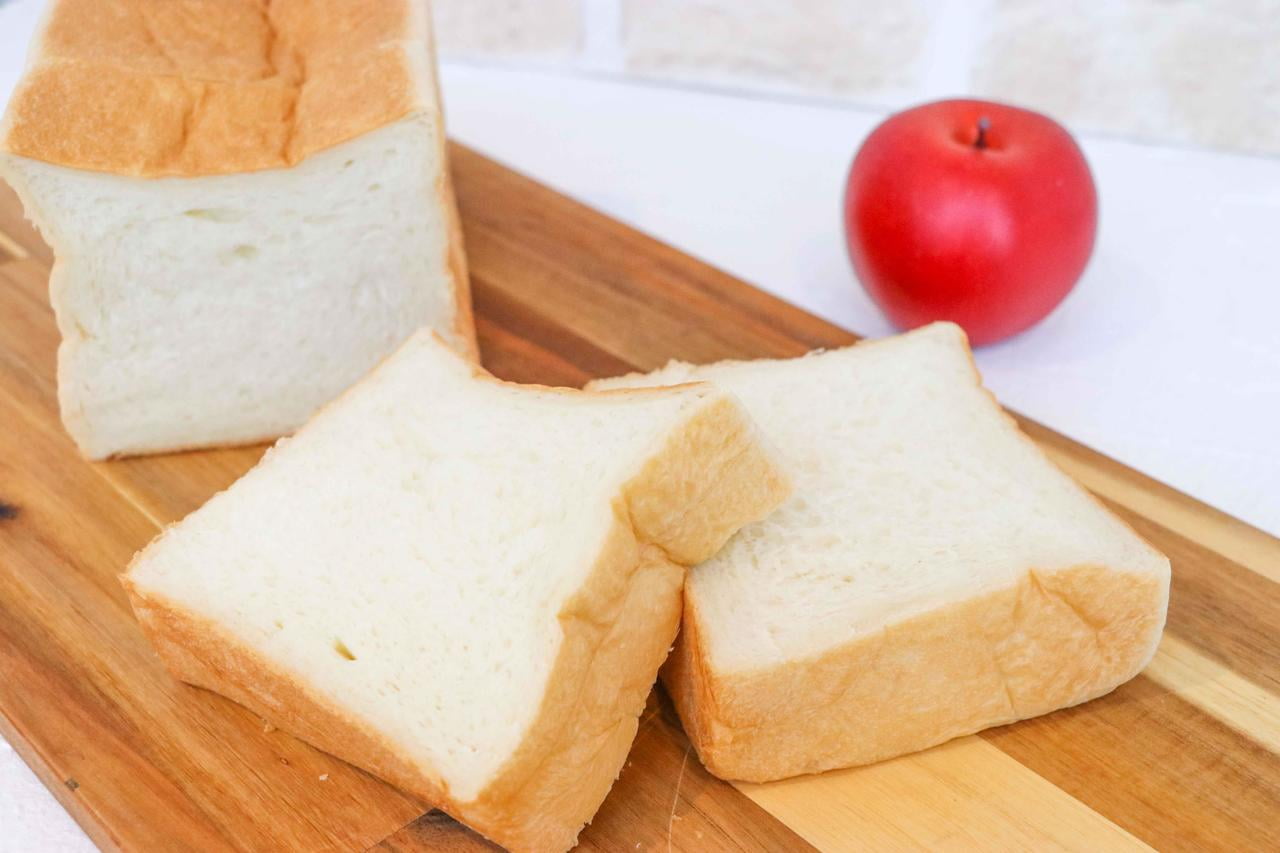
248,203
932,575
464,586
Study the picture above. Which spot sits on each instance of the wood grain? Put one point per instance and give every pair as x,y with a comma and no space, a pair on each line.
1184,757
1213,688
966,794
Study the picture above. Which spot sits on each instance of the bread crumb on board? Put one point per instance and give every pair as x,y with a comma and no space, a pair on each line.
324,777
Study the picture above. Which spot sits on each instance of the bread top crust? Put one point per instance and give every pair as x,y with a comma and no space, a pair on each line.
156,88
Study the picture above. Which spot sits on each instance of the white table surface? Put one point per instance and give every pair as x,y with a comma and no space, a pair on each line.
1166,356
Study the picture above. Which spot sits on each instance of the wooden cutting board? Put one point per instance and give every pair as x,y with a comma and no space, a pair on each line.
1183,757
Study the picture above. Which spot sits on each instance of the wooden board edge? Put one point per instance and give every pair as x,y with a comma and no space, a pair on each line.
62,790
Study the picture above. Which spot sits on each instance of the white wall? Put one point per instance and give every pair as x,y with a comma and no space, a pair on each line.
1197,72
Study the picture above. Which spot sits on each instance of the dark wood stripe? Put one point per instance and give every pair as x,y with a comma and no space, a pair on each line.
513,358
435,831
569,358
708,815
1157,766
1223,609
624,325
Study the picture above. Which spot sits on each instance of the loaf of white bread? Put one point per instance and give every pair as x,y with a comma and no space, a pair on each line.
464,586
932,575
248,203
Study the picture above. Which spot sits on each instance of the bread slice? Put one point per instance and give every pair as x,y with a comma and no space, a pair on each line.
932,575
249,205
463,586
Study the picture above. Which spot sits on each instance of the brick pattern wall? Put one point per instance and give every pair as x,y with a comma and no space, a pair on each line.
1197,72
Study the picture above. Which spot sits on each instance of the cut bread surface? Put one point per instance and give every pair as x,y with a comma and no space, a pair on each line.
933,573
222,295
468,586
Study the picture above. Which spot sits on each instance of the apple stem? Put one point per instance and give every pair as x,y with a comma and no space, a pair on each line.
984,124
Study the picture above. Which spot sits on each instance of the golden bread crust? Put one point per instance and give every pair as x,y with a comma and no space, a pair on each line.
464,323
153,88
1052,640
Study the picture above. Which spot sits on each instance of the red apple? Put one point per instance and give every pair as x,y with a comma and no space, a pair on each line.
970,211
